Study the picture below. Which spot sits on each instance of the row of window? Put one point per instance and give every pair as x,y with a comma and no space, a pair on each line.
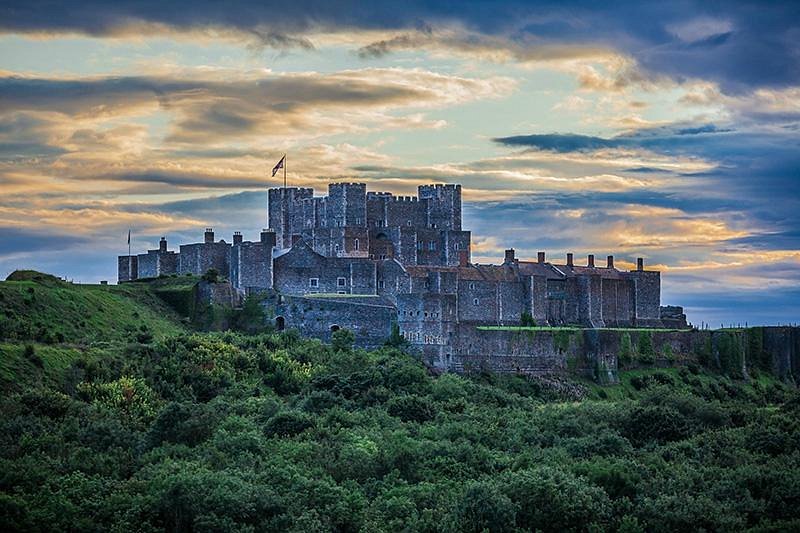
416,336
314,282
425,314
431,246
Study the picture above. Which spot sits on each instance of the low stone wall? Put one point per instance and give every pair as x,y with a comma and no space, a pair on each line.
369,318
595,352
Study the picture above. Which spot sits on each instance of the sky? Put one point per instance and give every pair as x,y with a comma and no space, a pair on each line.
663,130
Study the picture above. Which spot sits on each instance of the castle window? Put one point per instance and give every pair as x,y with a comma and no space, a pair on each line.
432,246
420,246
433,225
313,282
341,282
341,292
472,286
475,301
381,284
408,222
355,244
426,314
336,248
358,222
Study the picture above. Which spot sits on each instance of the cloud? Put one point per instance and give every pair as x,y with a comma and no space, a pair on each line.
748,45
205,108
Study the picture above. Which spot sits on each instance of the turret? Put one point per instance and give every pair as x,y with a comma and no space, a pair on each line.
162,245
590,262
209,236
237,237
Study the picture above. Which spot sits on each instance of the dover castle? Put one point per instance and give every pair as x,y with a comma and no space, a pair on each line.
366,260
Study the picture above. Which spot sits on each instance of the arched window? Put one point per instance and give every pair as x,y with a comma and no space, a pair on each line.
334,327
355,244
280,323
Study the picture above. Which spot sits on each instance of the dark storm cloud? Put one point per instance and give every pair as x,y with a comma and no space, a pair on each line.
741,45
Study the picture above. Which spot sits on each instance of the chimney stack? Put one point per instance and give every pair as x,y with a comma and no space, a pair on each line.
237,237
268,238
509,256
463,258
610,261
540,257
209,236
639,264
591,261
162,245
569,259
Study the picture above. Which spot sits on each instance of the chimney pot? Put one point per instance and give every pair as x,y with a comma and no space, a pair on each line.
591,260
610,261
509,255
639,264
569,259
209,236
162,244
237,237
540,257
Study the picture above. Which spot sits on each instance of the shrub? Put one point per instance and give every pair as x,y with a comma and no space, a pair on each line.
483,508
410,408
288,424
647,354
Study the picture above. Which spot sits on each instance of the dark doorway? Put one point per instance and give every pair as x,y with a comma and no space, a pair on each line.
334,327
280,323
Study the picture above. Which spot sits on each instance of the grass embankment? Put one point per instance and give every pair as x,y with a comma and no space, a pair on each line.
46,323
571,328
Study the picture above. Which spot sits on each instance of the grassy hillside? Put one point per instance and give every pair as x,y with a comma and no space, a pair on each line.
46,323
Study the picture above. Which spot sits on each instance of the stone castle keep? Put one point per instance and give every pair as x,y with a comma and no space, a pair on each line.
365,260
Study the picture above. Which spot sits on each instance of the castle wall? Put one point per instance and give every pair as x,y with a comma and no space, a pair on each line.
477,301
392,279
454,242
251,266
318,317
286,214
443,205
295,270
199,258
647,294
347,204
156,263
127,268
427,322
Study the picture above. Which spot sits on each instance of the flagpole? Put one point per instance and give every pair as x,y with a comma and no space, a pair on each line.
284,171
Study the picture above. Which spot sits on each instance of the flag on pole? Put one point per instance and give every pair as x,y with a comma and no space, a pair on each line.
279,166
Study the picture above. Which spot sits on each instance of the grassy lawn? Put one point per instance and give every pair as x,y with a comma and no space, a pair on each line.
570,328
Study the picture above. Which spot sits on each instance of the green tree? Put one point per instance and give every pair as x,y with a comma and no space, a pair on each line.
342,340
483,508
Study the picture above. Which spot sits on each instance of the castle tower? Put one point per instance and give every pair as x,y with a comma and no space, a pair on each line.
347,205
286,212
444,205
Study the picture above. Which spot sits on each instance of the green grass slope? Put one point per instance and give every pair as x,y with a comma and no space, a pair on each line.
46,323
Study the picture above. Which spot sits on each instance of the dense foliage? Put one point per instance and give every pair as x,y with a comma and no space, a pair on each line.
229,432
116,417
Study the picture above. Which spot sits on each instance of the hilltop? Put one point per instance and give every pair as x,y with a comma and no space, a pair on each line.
53,321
